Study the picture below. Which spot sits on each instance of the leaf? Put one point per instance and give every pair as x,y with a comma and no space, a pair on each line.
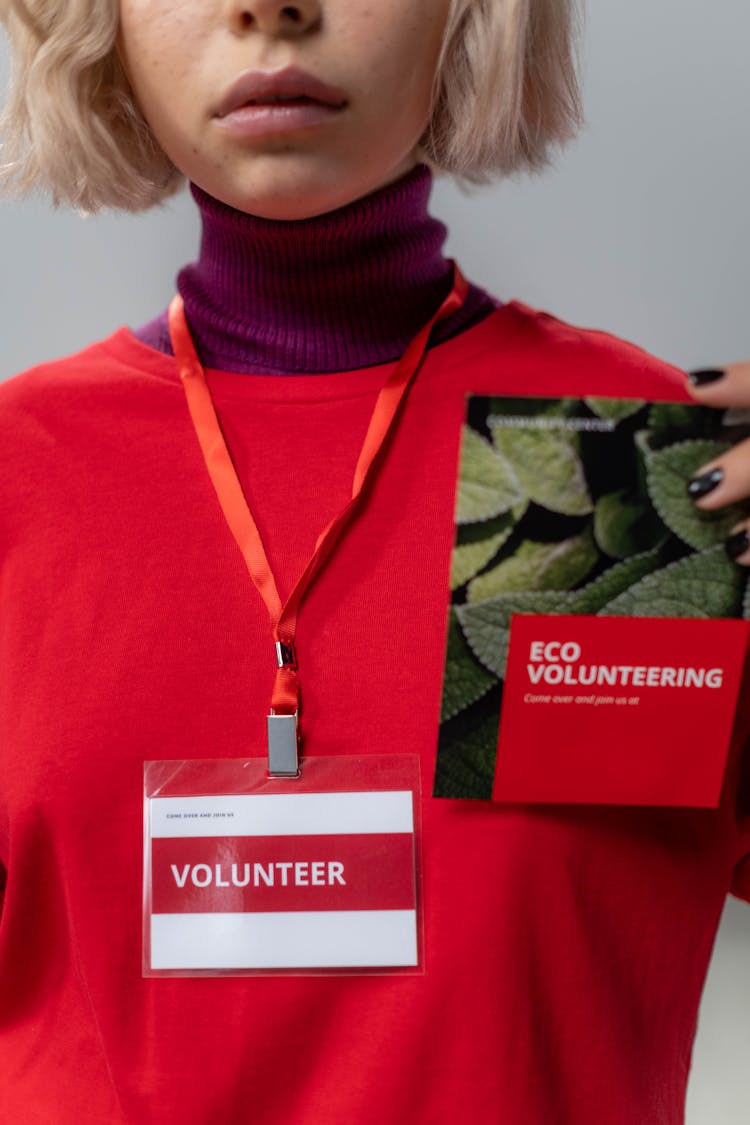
746,601
613,582
538,566
486,625
705,584
464,680
480,543
625,524
487,485
548,467
642,443
466,757
669,422
615,409
668,471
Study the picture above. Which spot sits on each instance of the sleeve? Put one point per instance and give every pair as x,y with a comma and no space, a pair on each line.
741,882
740,886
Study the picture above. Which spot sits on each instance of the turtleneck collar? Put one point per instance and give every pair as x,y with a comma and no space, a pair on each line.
335,292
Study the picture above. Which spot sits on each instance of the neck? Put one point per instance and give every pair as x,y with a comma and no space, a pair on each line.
335,292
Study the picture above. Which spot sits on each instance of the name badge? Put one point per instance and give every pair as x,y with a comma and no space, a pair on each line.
246,874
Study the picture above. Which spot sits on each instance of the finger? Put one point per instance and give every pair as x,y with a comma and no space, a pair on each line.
721,386
738,544
725,480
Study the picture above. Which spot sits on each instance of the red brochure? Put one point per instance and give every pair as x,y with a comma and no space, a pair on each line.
597,630
618,710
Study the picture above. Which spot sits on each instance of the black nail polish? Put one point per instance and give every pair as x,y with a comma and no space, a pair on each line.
737,544
705,483
704,377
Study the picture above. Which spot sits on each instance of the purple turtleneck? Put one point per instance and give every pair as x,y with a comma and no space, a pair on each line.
336,292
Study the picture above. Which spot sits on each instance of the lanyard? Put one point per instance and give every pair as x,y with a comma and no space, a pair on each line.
282,725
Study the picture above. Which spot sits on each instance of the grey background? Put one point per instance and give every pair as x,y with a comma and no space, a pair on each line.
641,228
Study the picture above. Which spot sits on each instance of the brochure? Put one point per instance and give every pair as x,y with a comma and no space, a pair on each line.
596,628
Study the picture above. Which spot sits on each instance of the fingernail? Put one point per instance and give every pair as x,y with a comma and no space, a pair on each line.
703,377
737,544
705,483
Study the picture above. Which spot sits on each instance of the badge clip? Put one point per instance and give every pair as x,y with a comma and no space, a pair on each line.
286,657
283,745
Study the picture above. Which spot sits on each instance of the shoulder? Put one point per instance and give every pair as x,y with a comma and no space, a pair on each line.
100,366
37,405
86,390
71,425
71,428
546,355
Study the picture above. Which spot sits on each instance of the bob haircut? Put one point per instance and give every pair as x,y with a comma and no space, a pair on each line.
505,94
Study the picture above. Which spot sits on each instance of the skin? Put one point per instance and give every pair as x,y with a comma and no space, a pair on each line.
181,58
732,390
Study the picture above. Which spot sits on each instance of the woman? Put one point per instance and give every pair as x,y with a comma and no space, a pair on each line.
564,948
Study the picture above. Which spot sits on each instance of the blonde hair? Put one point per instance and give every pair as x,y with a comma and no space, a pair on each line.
506,87
505,93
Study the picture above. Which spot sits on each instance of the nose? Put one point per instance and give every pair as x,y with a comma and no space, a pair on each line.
275,17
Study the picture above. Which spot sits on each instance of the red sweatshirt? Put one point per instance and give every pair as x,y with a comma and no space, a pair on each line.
565,948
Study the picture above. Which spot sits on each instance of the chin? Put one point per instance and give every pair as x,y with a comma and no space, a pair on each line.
293,209
275,190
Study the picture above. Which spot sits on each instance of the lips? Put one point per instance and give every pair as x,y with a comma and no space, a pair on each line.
263,87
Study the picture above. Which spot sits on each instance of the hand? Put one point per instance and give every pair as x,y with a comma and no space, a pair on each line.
725,480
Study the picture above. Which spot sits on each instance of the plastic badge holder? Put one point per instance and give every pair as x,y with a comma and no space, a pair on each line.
246,875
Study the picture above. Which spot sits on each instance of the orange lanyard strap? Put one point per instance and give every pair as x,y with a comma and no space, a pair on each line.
283,618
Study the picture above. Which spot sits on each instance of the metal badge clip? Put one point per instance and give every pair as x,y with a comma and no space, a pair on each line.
285,655
283,745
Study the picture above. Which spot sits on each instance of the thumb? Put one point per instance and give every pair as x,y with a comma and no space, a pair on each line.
721,386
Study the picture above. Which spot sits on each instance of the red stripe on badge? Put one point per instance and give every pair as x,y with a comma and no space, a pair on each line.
241,874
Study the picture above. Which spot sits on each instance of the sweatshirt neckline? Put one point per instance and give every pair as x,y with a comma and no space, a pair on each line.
303,388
